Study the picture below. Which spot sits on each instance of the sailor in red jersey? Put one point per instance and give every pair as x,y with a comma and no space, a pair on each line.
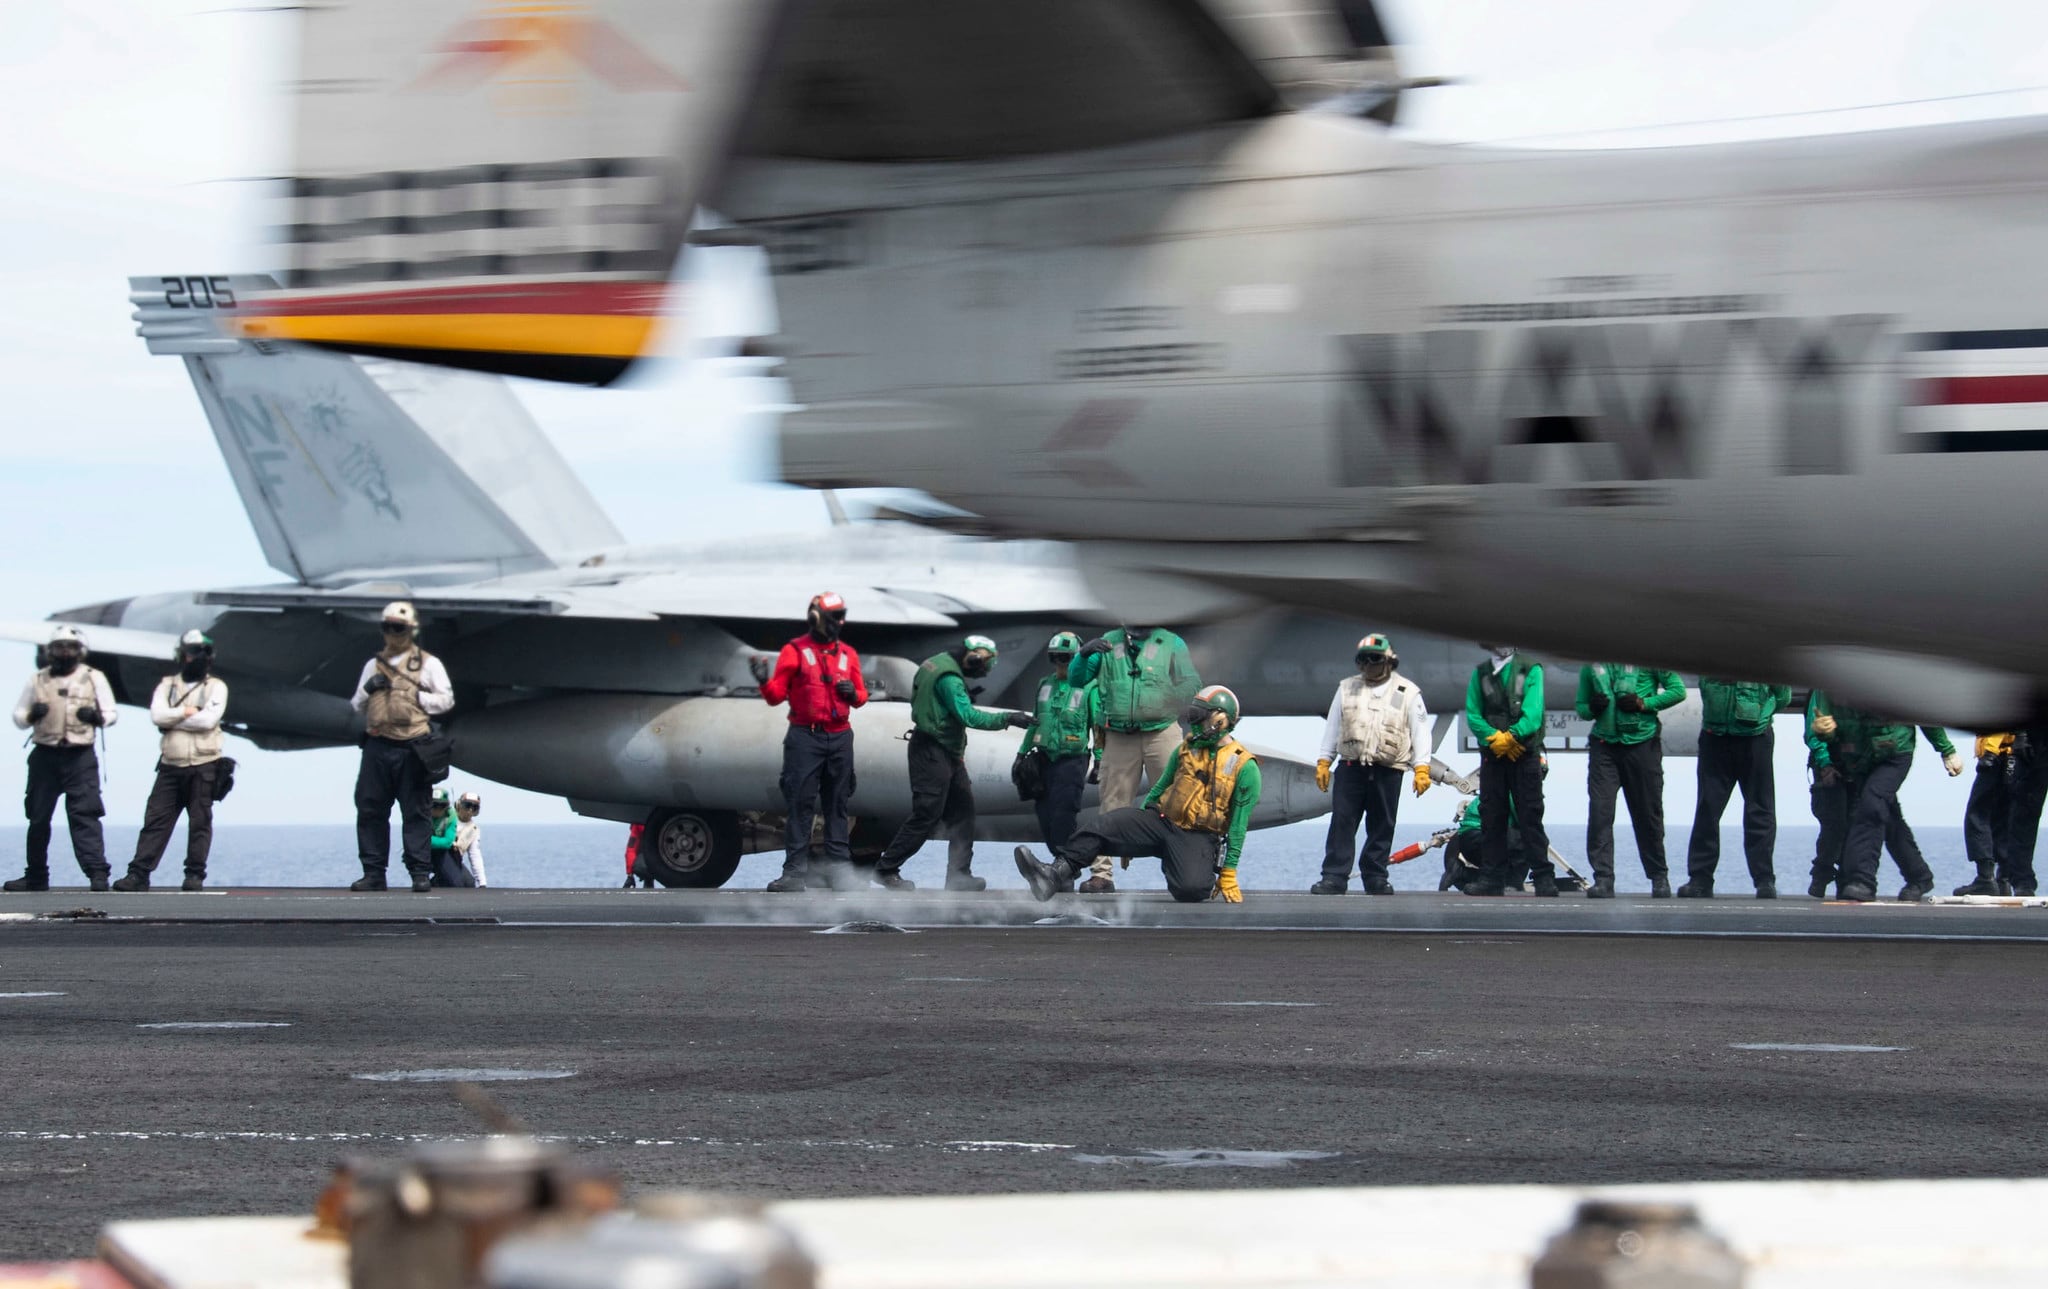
818,675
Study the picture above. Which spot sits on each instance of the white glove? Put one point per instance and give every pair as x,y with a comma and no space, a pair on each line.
1953,763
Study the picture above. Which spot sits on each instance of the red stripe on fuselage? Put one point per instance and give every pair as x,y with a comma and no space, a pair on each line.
638,299
1956,390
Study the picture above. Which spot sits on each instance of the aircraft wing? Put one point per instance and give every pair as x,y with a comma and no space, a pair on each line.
648,599
506,188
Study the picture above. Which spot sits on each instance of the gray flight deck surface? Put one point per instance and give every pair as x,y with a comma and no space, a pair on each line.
685,1049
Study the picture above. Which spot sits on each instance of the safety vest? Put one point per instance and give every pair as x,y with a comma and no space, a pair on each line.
1060,717
60,726
189,747
1500,701
1204,783
1374,725
932,717
395,713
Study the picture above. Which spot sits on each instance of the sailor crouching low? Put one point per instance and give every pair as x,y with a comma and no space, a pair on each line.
1194,820
1376,738
64,705
188,708
400,689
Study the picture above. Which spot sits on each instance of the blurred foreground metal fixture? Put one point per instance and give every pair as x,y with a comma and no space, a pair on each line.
677,1241
428,1222
1613,1244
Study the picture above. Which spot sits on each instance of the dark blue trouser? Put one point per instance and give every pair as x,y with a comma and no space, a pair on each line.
1371,791
1066,778
1726,762
2023,827
817,778
1636,771
72,773
1987,817
1503,782
1873,806
390,772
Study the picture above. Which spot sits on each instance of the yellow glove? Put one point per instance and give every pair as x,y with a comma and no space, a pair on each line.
1499,742
1421,779
1226,888
1824,725
1953,763
1515,748
1323,775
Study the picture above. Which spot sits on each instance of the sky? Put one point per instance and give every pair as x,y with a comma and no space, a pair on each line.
140,126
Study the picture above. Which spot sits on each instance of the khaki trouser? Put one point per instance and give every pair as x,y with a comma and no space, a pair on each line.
1131,763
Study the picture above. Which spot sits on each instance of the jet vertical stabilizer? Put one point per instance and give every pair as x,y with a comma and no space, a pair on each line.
352,465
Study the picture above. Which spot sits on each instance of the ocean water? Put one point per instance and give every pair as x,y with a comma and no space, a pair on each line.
592,855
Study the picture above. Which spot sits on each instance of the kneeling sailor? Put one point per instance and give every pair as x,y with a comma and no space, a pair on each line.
1194,820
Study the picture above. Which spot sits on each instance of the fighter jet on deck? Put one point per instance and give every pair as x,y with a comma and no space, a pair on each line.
615,677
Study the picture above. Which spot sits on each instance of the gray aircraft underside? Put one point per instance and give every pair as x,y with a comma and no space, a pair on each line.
1160,280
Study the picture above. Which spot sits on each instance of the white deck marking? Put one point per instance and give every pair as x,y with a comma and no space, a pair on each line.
1814,1047
463,1076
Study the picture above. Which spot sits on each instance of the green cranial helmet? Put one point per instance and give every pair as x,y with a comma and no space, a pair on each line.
982,643
440,798
1064,642
1213,713
1375,647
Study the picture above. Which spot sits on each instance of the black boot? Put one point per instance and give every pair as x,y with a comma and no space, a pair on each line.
1818,888
1987,880
1546,885
965,882
193,882
892,879
1767,890
1696,890
368,882
1381,887
32,880
1601,889
1660,888
132,881
1327,887
1485,886
786,884
422,883
1914,892
1855,894
1045,880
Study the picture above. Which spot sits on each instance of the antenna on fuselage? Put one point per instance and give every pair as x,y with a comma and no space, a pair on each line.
835,510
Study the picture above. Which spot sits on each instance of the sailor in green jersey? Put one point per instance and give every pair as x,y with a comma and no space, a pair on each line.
1504,712
1872,755
443,865
1626,753
1194,820
941,794
1144,678
1736,749
1063,718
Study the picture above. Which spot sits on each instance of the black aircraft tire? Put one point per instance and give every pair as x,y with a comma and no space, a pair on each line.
691,849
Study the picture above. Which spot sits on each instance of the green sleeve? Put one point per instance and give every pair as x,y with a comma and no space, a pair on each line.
1187,682
1939,738
444,835
1816,705
1475,718
1586,691
953,692
1243,800
1781,698
1084,668
1532,707
1166,773
1670,691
